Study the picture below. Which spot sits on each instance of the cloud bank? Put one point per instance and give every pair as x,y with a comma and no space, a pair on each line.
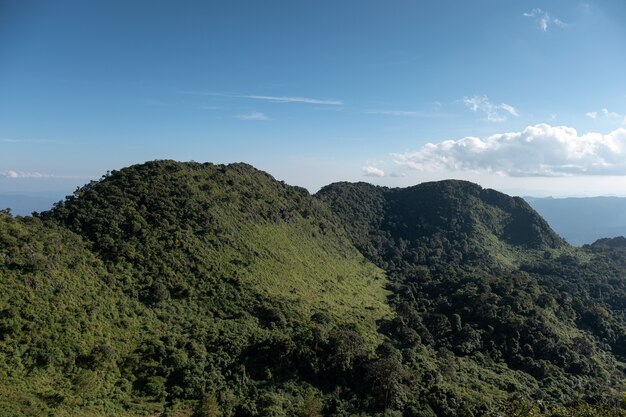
537,151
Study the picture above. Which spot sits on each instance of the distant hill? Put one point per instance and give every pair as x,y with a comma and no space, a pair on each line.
194,289
610,243
583,220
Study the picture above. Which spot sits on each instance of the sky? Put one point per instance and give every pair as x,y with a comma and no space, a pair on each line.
527,97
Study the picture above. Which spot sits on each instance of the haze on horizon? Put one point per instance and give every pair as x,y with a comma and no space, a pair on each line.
527,98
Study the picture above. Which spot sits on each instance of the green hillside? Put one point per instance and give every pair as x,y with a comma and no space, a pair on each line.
481,280
190,280
180,289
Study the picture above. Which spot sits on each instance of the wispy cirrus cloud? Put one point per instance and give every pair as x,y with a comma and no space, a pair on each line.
255,115
493,112
273,99
544,20
287,99
372,171
537,151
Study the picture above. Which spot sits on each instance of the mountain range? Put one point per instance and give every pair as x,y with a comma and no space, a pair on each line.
579,221
179,289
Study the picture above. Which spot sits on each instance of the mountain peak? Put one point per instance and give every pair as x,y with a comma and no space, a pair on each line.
440,214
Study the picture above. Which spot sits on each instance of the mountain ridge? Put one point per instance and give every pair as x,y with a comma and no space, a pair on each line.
234,294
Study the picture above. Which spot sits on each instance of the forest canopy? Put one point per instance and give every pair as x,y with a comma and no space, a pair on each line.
215,290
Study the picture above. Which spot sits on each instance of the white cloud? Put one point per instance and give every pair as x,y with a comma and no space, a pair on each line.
20,174
544,20
397,174
371,171
510,109
540,150
606,114
274,99
255,115
611,114
493,112
12,174
306,100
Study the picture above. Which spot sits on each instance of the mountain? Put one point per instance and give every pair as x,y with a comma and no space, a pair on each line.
184,289
583,220
480,279
168,282
456,219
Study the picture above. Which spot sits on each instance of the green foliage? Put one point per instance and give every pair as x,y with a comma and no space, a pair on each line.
311,406
187,288
208,407
479,278
164,281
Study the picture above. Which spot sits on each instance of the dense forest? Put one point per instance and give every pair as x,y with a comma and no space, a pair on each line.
189,289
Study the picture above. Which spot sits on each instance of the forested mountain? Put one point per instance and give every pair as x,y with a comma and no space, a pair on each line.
214,290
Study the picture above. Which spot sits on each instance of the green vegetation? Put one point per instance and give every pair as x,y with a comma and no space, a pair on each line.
491,295
188,289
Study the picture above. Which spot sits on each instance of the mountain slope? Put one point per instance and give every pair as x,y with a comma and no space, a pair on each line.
190,281
482,280
457,220
61,322
215,290
177,224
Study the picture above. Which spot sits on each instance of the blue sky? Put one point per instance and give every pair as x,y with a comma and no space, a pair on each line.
528,97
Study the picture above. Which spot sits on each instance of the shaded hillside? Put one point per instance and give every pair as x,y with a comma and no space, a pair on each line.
481,279
453,220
